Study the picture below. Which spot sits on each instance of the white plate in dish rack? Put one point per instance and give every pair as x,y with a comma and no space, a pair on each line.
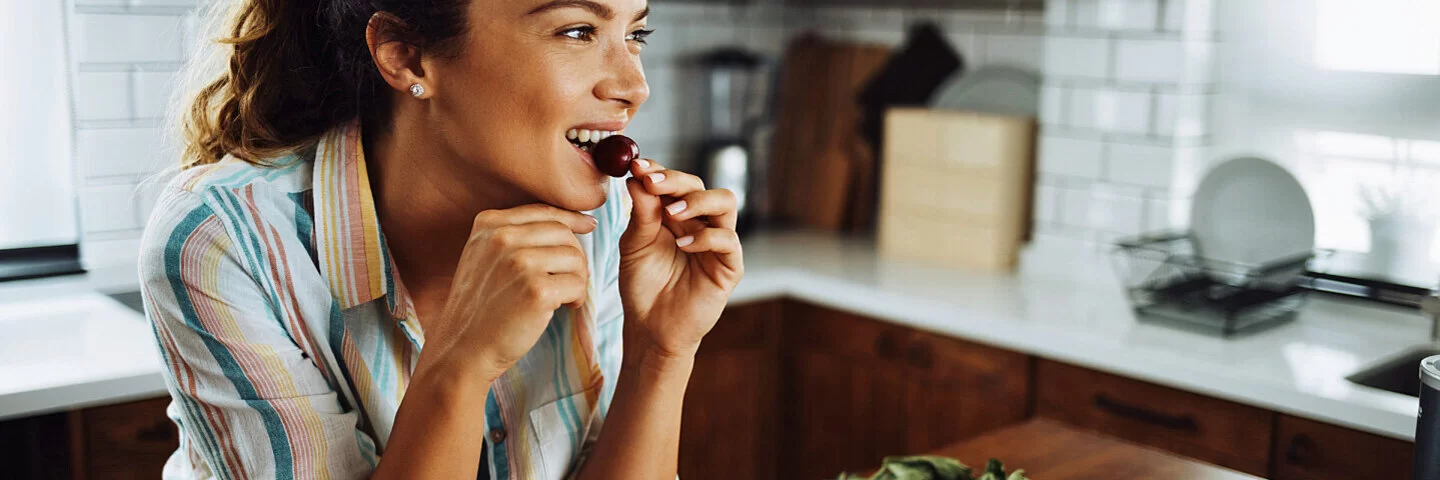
1251,211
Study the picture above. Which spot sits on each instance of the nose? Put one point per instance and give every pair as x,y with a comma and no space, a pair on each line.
624,80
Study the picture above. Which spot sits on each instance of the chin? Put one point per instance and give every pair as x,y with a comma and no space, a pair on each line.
580,199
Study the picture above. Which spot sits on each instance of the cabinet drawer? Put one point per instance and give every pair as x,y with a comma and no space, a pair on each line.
1211,430
849,336
124,441
1306,449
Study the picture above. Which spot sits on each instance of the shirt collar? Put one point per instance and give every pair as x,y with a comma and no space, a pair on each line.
350,246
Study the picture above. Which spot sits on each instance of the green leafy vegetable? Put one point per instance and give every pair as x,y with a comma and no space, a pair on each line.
931,467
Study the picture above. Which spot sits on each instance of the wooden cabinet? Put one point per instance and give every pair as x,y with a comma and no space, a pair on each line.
122,441
730,426
858,389
35,447
1208,429
1306,449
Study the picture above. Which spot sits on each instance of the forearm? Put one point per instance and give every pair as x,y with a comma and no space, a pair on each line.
435,428
641,437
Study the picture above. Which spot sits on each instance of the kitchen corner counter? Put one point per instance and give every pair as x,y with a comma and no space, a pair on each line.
66,346
1066,304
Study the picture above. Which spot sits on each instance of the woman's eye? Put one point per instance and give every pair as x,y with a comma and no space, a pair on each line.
640,35
580,33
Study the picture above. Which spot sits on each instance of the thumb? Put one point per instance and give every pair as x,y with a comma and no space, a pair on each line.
645,220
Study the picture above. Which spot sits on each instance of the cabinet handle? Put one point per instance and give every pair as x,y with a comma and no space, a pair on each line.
1184,423
1302,448
885,345
919,355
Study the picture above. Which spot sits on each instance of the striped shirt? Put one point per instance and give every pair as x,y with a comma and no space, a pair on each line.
289,339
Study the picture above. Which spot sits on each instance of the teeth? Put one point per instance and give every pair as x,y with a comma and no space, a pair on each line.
582,136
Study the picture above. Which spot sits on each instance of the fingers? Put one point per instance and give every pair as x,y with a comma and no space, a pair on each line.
550,260
721,241
536,212
644,217
660,181
559,289
719,205
546,233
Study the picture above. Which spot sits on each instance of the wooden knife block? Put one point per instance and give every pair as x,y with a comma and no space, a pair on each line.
955,187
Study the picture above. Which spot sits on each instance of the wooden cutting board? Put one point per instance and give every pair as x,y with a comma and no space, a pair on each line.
817,168
1049,450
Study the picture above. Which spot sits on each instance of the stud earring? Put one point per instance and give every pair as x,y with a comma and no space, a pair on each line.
417,90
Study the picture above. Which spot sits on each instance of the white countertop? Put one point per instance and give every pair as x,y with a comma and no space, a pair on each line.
65,347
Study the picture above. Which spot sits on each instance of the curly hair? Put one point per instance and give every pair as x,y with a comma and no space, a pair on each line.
282,72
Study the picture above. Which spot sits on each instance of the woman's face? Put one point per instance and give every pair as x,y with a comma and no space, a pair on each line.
529,71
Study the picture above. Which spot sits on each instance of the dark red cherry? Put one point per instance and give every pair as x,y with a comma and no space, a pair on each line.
614,154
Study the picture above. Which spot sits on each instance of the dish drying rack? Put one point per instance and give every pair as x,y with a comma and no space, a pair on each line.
1168,281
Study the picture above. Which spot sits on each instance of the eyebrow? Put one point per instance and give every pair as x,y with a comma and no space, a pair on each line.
597,8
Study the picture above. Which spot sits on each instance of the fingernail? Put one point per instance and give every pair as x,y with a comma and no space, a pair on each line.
657,177
676,207
593,220
685,240
642,162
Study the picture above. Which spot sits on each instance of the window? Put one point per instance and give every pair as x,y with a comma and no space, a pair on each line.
1380,36
37,197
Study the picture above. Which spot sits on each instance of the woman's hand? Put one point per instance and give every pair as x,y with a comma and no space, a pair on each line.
518,266
673,293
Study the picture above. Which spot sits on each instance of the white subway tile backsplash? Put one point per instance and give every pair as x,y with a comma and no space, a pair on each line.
1163,60
1192,18
108,208
1148,165
888,38
1076,57
1052,104
111,252
146,195
1158,215
165,3
102,96
699,38
107,3
1131,15
120,151
1047,204
1057,13
1075,208
968,44
1116,211
1183,115
885,18
1071,157
128,38
767,40
1015,50
1110,110
152,93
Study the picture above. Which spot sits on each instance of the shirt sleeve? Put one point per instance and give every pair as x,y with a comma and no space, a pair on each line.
247,399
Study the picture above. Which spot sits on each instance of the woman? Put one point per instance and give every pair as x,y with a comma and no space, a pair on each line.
375,261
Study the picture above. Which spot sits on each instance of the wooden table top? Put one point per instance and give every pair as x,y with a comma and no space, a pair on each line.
1048,450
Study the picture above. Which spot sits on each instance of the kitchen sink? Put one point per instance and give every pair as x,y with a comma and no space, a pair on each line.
1399,375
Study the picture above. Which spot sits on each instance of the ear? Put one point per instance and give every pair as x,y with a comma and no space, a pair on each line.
397,59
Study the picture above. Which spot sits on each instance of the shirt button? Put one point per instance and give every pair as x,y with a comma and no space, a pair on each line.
497,435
